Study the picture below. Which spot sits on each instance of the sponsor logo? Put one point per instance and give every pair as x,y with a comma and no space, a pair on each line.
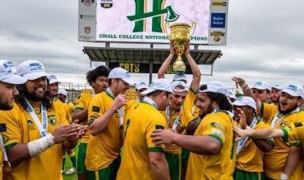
87,30
106,4
219,3
298,124
218,20
85,16
217,35
87,2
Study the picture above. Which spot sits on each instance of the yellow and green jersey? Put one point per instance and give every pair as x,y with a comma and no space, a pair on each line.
250,158
140,121
1,163
21,128
294,134
81,104
219,126
274,160
103,148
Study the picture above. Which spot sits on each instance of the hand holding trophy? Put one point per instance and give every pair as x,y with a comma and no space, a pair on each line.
180,36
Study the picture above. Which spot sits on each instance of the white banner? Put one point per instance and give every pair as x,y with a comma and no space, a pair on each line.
148,21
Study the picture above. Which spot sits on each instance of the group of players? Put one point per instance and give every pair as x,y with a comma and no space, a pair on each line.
171,131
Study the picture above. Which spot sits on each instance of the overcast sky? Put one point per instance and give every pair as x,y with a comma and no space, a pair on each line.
265,40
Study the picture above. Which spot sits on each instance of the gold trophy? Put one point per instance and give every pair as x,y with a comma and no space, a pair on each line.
180,33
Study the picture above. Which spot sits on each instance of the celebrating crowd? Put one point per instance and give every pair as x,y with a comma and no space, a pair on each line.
170,131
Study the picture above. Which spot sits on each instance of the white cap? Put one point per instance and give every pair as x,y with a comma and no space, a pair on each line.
231,94
217,87
122,74
294,90
180,77
159,84
141,85
63,92
7,73
52,79
181,85
31,69
261,85
277,86
245,101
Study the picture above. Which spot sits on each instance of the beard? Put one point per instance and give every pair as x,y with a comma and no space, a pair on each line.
5,106
208,111
33,96
287,111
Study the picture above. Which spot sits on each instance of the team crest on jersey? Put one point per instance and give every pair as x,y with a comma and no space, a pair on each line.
217,125
52,119
298,124
96,109
31,124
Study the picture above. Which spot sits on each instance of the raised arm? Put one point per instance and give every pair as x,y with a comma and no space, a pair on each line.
165,65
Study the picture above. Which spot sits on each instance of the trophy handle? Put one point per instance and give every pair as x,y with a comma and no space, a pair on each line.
193,27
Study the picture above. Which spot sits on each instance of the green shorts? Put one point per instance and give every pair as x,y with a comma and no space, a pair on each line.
245,175
81,167
108,173
174,162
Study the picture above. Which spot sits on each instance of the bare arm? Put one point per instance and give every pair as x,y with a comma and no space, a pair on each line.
263,145
247,91
197,144
164,67
81,115
22,151
159,165
292,160
259,133
195,83
101,123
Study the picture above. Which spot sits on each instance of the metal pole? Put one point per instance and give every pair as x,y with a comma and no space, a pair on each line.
151,66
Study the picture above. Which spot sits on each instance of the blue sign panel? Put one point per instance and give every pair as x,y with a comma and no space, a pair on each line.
218,20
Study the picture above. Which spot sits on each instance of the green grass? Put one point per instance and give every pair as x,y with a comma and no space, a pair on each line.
68,165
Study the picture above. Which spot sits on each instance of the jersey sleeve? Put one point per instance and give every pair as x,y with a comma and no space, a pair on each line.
155,122
13,133
267,111
214,127
263,125
95,109
291,133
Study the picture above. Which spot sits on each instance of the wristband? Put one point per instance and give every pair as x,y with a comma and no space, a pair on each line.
284,176
37,146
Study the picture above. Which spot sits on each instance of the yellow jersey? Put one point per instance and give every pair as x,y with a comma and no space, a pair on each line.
294,134
274,160
21,128
81,104
103,148
140,121
250,158
1,162
219,126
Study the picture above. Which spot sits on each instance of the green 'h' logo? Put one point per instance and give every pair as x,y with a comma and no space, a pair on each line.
140,15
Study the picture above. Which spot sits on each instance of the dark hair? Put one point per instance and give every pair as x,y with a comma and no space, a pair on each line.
157,92
95,73
20,99
221,99
203,87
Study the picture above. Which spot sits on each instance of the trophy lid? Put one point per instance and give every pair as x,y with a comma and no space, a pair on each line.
179,24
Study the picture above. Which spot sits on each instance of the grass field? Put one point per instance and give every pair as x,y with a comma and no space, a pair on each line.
68,165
